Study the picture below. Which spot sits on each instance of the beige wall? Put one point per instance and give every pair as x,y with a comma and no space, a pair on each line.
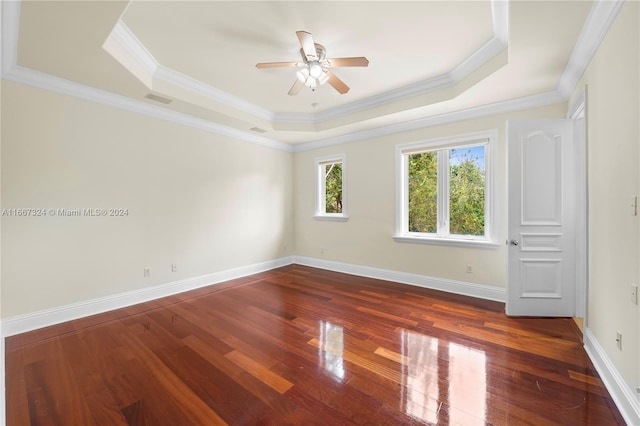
613,157
366,238
202,201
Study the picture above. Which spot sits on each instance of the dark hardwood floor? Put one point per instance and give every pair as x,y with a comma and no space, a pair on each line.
304,346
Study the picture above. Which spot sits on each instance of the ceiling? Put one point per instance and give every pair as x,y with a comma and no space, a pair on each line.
427,58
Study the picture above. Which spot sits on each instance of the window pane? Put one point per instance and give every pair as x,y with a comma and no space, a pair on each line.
467,191
333,185
423,192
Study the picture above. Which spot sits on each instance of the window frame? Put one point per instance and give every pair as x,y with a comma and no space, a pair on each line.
441,146
320,196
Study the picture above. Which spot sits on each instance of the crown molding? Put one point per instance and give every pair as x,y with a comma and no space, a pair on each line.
10,28
500,15
59,85
595,28
414,89
125,38
534,101
196,86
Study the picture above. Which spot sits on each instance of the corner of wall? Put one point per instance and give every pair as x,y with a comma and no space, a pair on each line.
622,395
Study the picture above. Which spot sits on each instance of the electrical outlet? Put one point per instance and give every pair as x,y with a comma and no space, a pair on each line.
174,267
634,294
469,269
619,340
147,272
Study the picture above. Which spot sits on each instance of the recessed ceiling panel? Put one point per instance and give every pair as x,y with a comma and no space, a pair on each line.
219,43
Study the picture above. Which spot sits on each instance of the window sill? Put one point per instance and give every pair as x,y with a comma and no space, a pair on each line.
447,242
335,218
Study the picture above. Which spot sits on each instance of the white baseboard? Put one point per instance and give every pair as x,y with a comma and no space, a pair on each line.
33,321
449,286
23,323
623,396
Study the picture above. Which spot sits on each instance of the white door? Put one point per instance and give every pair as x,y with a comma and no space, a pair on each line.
542,269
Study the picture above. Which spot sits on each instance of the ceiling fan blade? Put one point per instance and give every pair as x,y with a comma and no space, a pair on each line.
337,83
277,64
359,61
308,47
296,87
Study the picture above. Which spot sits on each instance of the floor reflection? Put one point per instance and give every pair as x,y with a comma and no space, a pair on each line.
331,349
442,372
420,377
467,384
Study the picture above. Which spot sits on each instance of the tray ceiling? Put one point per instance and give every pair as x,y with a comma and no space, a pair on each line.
427,58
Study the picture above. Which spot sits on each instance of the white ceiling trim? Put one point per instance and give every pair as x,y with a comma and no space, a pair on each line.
414,89
596,27
59,85
493,47
500,15
534,101
9,34
122,35
196,86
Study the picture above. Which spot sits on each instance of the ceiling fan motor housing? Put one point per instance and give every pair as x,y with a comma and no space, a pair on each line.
321,53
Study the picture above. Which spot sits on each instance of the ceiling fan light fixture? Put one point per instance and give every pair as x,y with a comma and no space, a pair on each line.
311,82
315,69
303,74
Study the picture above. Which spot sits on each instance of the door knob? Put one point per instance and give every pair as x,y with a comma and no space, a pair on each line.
514,242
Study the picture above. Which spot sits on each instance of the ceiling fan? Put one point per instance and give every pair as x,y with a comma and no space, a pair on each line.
313,70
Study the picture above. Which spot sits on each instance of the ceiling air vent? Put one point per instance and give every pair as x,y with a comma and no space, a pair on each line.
258,130
158,98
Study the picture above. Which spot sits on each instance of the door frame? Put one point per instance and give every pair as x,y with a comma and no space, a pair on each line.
577,112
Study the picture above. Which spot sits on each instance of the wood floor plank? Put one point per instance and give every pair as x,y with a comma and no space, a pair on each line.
53,393
18,413
387,316
585,378
260,372
393,356
298,345
187,405
373,367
